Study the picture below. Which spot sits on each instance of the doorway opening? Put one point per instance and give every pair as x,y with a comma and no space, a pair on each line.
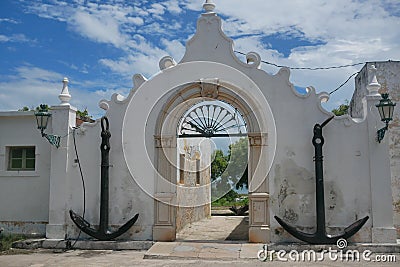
213,153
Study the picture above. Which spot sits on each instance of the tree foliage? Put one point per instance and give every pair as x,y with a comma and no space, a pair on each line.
230,169
342,109
238,158
83,114
25,108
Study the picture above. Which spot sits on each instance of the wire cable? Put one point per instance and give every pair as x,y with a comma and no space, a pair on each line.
83,187
316,68
340,86
307,68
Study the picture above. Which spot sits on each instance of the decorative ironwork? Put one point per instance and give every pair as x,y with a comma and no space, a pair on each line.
211,120
103,233
42,118
320,236
53,139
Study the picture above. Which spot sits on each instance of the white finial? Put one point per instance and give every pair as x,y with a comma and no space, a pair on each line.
209,6
64,96
373,87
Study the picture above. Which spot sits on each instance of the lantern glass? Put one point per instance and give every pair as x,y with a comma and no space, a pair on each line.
42,117
381,112
385,108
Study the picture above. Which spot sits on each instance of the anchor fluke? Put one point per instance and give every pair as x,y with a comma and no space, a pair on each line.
83,225
322,238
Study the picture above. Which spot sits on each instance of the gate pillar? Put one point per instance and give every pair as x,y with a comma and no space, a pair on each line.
259,230
165,191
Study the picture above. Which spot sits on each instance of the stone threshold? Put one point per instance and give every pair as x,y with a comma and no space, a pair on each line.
82,244
222,251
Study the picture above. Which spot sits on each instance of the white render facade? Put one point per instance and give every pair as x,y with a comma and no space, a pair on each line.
144,153
388,75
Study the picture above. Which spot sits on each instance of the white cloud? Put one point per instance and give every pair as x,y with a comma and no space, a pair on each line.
30,86
8,20
15,38
173,6
105,30
157,9
136,20
174,48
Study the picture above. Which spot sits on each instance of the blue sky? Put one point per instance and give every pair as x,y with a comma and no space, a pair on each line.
99,45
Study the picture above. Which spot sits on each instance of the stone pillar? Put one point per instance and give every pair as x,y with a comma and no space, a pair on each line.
63,118
259,230
379,164
165,192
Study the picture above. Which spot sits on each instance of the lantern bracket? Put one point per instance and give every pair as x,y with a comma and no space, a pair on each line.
42,117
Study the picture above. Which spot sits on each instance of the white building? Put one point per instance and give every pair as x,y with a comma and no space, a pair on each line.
388,75
144,156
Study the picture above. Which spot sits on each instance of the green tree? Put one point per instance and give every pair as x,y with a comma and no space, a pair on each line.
230,169
342,109
238,157
83,114
24,109
219,164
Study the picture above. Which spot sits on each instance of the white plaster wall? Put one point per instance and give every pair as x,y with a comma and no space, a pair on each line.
292,176
388,75
24,195
125,197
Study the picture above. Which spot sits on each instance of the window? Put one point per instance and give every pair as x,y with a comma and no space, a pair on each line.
197,171
182,168
21,159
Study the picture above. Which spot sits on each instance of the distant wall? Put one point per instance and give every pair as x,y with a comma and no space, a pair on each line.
196,172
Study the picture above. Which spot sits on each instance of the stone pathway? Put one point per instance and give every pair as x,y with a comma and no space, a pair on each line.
216,228
203,250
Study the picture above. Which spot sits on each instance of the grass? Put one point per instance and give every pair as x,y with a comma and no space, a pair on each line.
224,202
6,240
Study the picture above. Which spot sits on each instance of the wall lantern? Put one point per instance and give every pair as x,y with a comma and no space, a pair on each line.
385,108
42,118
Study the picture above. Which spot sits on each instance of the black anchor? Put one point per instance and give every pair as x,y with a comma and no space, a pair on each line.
320,236
103,233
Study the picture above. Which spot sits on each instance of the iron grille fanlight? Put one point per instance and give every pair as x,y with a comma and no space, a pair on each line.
211,120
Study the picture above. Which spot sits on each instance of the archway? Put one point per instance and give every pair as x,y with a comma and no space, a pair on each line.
212,146
171,93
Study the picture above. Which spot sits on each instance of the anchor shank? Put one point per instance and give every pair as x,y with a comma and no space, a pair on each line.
318,142
104,192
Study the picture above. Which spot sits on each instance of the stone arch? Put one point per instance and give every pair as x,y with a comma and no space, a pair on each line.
160,102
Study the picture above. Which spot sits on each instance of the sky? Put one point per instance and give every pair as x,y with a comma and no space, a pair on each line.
100,45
